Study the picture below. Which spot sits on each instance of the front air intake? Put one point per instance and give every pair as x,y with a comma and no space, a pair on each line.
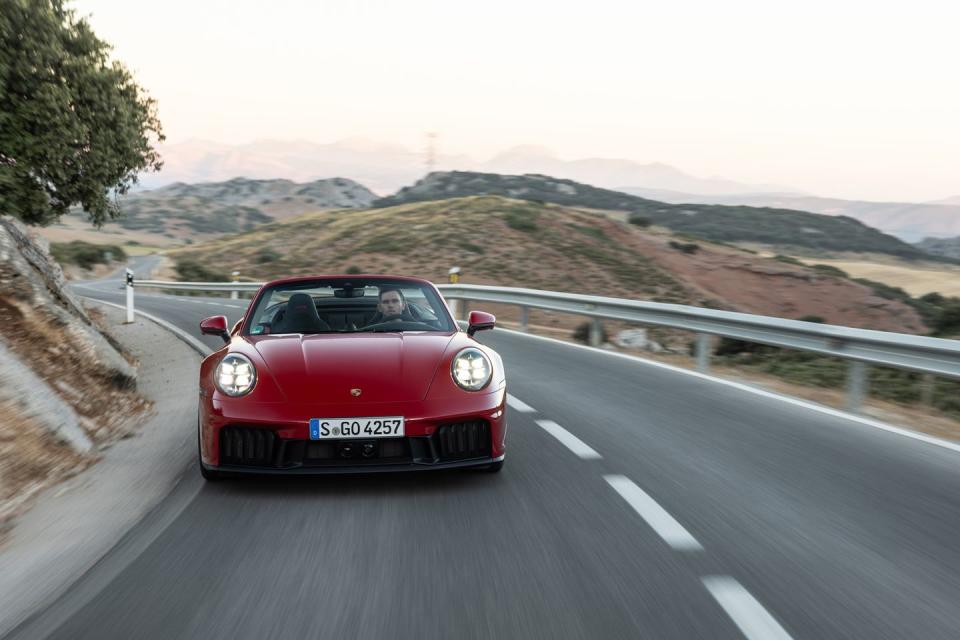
247,446
463,440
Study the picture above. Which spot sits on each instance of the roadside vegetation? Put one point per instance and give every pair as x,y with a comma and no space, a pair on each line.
86,255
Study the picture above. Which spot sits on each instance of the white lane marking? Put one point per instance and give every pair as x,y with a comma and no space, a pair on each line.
203,349
519,405
836,413
745,611
569,440
656,516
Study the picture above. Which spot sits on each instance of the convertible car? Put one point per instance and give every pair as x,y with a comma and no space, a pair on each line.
353,373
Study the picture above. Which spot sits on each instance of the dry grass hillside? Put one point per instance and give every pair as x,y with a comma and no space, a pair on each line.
498,240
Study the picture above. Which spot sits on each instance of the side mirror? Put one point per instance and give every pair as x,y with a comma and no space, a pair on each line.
480,321
215,326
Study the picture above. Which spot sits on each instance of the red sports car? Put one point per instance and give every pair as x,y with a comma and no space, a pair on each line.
350,373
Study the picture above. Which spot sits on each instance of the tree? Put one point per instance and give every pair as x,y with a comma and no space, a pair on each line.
75,128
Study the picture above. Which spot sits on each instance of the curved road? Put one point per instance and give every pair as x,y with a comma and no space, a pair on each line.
636,501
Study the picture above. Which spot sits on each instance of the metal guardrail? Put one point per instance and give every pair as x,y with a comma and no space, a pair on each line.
931,356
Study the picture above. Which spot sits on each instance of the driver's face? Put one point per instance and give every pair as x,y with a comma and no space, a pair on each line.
391,304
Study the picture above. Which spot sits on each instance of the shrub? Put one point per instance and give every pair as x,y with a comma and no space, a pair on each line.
352,269
267,255
582,333
686,247
788,260
193,271
829,270
639,220
85,254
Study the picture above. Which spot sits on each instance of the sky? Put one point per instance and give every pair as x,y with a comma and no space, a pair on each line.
841,98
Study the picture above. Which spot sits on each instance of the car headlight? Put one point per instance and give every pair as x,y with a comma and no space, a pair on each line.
236,375
471,369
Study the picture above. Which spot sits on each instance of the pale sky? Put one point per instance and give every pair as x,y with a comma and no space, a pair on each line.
839,98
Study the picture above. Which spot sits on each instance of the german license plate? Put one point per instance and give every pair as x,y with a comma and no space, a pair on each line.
339,428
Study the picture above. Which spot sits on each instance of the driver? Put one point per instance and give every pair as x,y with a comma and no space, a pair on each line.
392,305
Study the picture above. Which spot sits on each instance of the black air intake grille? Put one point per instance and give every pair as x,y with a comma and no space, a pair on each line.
240,445
462,440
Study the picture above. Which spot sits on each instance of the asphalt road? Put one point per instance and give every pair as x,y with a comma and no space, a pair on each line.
636,501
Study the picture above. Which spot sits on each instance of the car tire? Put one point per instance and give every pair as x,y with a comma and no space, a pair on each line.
495,467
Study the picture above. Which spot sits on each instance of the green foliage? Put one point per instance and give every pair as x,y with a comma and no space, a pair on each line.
267,255
472,248
85,254
354,269
686,247
521,219
593,232
193,271
788,260
640,221
74,125
829,270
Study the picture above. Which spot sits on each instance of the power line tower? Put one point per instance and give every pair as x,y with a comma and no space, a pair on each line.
431,154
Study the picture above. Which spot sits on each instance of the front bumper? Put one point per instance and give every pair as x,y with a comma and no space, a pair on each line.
346,469
246,437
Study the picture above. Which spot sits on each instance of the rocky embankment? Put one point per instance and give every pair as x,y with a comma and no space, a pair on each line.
66,390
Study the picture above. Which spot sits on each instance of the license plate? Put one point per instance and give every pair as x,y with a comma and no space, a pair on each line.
339,428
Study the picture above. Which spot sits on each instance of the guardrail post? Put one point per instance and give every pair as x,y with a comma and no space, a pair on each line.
235,294
703,352
466,309
524,319
856,385
455,308
128,278
596,332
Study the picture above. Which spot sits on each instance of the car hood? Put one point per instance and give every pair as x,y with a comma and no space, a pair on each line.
321,368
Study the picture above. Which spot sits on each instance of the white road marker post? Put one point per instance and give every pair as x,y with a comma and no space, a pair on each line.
453,277
129,287
236,278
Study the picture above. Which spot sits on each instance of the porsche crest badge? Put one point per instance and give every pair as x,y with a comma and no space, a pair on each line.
355,392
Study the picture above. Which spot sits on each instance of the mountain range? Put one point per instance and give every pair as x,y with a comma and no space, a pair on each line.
384,168
908,221
811,233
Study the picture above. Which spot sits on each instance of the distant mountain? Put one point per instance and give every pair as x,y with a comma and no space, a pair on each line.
951,200
611,173
947,247
182,211
907,221
387,167
501,241
768,226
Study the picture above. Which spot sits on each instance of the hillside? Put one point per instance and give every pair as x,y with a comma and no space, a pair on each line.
502,241
774,227
908,221
182,213
946,247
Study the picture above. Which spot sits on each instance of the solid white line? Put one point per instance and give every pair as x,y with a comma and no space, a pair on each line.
748,614
836,413
519,405
656,516
569,440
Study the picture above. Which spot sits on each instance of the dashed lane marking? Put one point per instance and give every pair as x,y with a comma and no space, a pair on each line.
519,405
570,441
747,613
656,516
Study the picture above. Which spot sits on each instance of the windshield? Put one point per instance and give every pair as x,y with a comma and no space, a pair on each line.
339,306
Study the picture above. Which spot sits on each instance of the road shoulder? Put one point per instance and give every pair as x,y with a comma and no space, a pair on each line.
76,523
